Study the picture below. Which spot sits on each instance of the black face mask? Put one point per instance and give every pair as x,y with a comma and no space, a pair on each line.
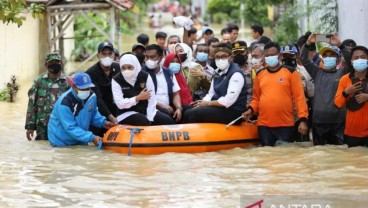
183,57
141,58
289,62
54,68
240,59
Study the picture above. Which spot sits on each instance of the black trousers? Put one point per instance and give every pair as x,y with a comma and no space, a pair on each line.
185,108
211,114
331,133
270,135
355,141
139,119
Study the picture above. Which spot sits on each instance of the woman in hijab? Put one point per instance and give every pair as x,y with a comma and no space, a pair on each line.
173,64
133,92
188,66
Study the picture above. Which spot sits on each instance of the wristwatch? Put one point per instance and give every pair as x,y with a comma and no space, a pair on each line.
181,108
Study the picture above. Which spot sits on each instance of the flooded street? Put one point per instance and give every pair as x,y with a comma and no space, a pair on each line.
33,174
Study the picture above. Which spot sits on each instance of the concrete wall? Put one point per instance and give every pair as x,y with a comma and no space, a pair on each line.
23,49
353,16
20,50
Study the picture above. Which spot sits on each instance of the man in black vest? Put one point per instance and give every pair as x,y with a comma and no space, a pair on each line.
227,97
101,75
166,86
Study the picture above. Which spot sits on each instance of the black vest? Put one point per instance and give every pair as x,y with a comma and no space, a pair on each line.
221,83
169,81
132,91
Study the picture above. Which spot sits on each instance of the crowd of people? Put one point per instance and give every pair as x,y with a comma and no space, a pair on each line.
288,89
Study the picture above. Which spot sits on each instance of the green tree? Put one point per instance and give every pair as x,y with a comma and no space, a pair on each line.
286,26
223,7
255,11
83,29
12,11
325,17
324,20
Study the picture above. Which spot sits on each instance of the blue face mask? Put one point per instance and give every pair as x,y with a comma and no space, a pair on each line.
202,57
329,62
360,65
83,94
272,60
174,68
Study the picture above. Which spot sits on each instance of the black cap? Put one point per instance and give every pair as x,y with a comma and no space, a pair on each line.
161,34
225,47
239,45
105,44
138,45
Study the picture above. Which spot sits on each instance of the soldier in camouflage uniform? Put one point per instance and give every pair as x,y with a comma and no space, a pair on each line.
44,92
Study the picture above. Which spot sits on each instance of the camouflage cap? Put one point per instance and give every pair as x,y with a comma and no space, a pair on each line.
53,56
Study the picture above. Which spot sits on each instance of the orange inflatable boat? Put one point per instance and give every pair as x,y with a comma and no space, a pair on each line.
184,138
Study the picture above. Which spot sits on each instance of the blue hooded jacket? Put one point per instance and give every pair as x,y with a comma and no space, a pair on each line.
71,118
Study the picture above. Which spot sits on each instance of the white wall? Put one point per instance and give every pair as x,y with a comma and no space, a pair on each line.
353,17
19,53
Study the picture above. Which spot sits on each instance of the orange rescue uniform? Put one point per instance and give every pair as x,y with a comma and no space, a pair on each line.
356,122
273,96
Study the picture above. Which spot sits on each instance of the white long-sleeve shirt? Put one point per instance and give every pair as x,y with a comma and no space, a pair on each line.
126,103
162,93
236,84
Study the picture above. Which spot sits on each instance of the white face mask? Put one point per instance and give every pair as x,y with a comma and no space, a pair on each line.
151,64
255,61
127,74
107,61
83,94
222,64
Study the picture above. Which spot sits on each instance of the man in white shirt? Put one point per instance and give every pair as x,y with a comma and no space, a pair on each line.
227,97
166,85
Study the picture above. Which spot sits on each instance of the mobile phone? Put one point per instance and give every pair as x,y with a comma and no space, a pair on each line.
323,38
355,79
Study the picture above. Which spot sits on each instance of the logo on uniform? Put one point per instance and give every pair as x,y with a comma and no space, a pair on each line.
142,85
85,79
90,107
281,79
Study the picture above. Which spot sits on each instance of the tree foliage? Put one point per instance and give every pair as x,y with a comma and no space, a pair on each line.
86,40
286,26
255,11
324,20
325,17
13,11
